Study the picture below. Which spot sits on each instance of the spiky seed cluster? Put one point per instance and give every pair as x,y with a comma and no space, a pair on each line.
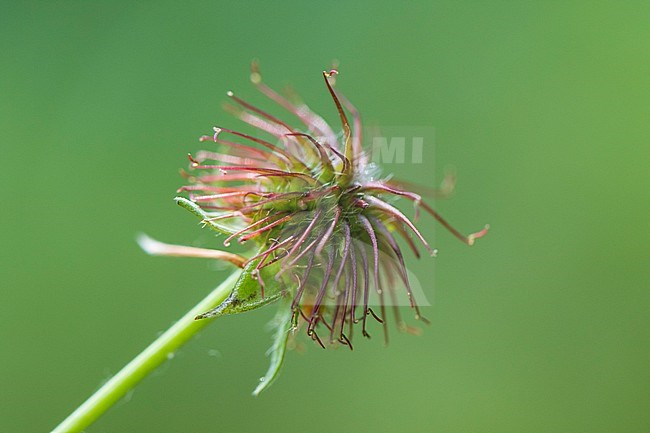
308,202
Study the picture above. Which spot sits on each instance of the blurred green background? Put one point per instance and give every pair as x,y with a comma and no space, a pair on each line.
542,107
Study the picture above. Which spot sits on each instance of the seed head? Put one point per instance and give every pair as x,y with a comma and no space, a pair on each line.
325,229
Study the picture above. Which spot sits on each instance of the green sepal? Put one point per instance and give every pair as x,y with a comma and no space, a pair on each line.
204,217
282,322
247,293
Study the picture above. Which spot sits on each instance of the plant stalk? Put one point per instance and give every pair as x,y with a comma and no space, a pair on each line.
146,362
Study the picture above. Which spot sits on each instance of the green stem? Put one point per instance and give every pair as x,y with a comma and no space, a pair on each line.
146,362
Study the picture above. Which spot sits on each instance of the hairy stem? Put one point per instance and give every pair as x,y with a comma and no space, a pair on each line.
146,362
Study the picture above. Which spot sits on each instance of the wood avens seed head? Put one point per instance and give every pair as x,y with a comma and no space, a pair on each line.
326,232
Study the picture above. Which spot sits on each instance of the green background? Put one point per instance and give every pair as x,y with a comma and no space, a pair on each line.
542,107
